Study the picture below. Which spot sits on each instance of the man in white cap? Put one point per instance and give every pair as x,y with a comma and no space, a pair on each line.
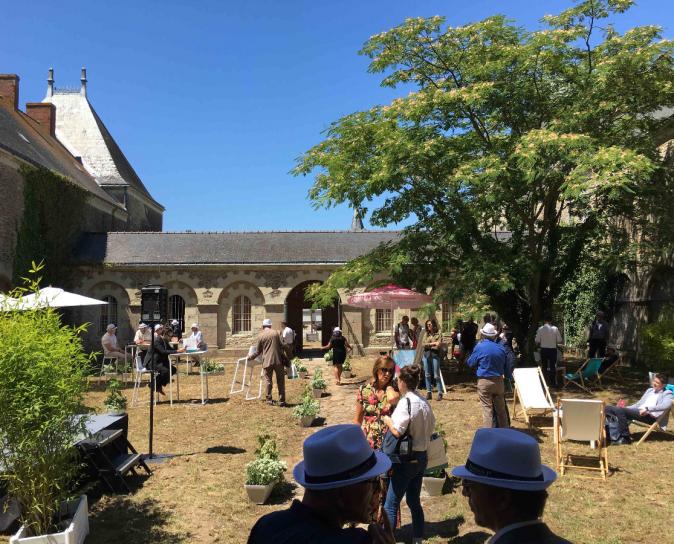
270,348
143,337
176,330
505,484
490,359
341,477
109,343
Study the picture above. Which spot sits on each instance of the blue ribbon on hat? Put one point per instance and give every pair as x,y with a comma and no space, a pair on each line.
345,475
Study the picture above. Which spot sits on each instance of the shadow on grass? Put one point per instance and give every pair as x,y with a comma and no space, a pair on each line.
121,519
225,450
476,537
319,422
283,493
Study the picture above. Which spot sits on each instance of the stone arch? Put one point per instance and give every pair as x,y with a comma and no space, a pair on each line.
225,313
294,305
92,314
176,287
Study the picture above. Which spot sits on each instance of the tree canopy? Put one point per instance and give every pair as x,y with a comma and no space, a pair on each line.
514,153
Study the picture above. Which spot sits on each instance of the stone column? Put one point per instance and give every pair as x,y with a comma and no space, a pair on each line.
208,323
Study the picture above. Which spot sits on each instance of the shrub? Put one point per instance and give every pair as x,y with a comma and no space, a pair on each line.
42,381
115,401
264,471
267,448
328,356
308,405
347,364
657,344
317,382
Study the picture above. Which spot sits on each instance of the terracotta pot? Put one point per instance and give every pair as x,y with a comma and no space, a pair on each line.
306,421
433,486
302,374
318,393
346,374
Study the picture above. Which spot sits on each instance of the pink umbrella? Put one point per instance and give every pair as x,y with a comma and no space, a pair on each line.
389,296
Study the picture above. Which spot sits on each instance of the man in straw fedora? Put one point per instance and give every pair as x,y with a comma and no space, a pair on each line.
340,474
505,484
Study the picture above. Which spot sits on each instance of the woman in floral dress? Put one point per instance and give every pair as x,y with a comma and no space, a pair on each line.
375,400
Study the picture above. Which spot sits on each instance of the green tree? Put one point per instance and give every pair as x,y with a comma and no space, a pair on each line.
514,152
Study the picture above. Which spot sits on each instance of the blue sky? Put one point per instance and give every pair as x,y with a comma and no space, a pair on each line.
212,101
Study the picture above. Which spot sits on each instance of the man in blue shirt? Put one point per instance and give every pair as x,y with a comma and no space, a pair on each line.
490,359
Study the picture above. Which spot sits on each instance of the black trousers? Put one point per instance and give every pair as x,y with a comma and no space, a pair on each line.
549,365
163,376
597,348
618,420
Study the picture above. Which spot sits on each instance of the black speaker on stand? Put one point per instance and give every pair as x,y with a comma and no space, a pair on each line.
153,311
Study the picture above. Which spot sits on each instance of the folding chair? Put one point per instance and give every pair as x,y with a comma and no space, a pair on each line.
585,375
581,420
655,426
533,394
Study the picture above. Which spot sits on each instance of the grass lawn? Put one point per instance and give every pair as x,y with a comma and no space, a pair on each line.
197,495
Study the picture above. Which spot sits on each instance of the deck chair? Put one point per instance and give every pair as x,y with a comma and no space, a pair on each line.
532,393
655,426
581,420
585,375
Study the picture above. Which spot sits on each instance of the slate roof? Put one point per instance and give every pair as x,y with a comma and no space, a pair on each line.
181,248
83,132
20,136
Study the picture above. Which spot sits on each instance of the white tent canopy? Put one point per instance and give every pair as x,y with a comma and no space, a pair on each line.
49,296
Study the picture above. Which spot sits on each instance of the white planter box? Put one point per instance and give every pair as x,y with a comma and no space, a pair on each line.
306,421
346,374
433,486
76,532
259,493
318,393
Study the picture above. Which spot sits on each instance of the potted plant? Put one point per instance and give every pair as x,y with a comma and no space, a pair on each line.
328,356
42,384
211,367
115,402
346,368
318,383
300,367
307,410
434,480
265,471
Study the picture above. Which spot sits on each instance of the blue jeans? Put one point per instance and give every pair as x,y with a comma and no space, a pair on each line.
432,369
406,479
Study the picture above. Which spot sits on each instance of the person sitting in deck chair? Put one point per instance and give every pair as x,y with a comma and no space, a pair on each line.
610,358
652,404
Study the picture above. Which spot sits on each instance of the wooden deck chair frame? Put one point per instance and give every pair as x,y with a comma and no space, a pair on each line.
583,384
564,462
517,394
655,426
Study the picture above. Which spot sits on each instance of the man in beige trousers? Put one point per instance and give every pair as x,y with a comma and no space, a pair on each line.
270,349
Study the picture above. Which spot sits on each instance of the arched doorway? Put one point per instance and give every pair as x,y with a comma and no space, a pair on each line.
314,325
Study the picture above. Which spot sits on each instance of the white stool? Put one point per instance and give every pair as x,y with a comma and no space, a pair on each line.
140,371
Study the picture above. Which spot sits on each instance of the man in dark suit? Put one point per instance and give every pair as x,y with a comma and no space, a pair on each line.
160,358
505,484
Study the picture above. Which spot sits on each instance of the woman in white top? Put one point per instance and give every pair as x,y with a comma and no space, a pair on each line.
413,415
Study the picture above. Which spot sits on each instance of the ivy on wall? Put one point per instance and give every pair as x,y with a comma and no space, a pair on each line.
53,216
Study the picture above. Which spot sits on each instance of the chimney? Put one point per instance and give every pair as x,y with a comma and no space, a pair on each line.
9,89
45,114
50,83
83,81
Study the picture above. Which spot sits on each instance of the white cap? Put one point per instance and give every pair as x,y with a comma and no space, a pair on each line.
489,330
174,322
194,326
266,323
158,326
111,327
336,329
142,326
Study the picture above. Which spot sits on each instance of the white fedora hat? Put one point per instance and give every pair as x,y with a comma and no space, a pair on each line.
174,322
506,458
266,323
339,456
489,330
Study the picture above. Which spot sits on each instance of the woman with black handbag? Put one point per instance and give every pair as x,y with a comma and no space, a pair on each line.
410,428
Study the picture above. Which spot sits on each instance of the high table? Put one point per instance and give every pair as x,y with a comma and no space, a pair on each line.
203,375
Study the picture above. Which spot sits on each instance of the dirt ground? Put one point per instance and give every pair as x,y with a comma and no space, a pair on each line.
196,495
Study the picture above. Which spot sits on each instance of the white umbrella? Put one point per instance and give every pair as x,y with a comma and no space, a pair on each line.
56,298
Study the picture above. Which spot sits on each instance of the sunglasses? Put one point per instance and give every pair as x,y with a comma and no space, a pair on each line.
387,370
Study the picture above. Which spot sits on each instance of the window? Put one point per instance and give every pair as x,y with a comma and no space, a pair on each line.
241,315
383,320
177,310
108,313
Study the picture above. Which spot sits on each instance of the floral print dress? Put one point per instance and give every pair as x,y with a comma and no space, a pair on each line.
373,411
